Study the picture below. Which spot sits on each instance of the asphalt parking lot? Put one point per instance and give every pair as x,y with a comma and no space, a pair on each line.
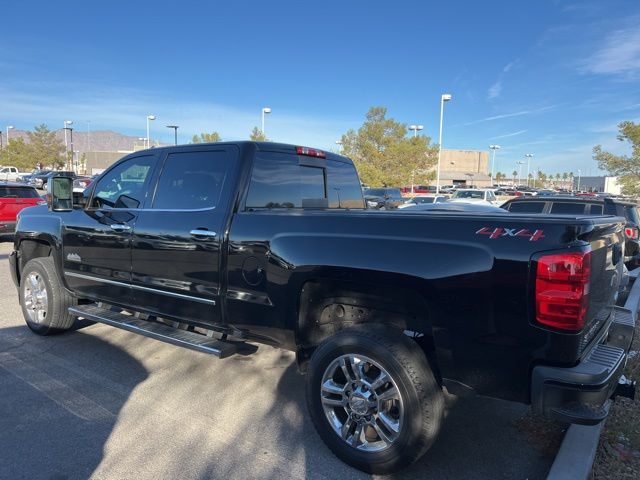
103,403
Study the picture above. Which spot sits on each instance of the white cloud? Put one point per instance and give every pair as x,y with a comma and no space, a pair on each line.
494,90
507,135
620,54
508,115
508,66
125,111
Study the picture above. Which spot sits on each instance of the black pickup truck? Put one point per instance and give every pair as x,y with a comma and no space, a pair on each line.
211,246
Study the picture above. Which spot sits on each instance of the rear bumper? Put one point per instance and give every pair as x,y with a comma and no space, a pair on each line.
7,227
579,394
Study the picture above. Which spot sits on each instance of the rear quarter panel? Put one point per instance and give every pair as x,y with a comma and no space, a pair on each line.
475,283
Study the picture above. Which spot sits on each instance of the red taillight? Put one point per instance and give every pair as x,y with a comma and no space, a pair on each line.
562,290
631,232
310,152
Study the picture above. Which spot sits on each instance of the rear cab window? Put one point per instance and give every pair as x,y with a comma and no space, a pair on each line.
568,208
18,192
283,180
527,207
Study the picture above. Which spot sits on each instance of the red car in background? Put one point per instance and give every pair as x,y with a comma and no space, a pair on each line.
13,198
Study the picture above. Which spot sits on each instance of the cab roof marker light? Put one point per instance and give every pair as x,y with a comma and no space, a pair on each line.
310,152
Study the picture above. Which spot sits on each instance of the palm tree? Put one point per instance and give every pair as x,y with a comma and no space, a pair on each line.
515,174
565,175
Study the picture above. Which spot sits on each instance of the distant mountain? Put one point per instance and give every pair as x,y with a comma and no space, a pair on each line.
98,141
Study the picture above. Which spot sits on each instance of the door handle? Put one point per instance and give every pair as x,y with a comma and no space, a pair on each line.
118,227
198,232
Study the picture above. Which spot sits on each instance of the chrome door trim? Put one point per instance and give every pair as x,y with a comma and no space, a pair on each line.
138,287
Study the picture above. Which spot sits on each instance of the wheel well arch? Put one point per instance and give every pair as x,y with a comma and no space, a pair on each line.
30,249
328,304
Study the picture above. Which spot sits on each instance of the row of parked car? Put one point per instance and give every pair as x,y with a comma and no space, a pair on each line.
21,191
536,202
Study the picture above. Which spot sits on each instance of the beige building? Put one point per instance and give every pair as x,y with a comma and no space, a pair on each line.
97,162
465,167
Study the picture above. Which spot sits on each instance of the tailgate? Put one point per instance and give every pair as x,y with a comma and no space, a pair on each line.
607,269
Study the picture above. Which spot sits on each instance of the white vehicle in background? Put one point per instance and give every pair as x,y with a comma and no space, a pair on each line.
484,196
10,174
423,199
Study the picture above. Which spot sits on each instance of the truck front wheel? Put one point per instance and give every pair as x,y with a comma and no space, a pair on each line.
373,398
44,299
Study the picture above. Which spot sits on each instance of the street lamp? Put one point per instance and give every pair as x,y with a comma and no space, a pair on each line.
9,127
520,163
493,161
339,143
67,150
265,111
528,156
64,127
415,129
444,98
175,133
149,118
579,174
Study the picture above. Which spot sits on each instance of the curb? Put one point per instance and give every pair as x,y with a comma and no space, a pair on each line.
577,453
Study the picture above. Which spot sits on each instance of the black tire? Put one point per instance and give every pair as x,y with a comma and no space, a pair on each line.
422,397
57,317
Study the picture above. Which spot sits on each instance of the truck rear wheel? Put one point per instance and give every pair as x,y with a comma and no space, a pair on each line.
43,298
374,399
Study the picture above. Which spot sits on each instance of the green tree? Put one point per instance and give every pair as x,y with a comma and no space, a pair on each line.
384,155
515,175
206,137
258,135
626,167
44,147
16,154
41,146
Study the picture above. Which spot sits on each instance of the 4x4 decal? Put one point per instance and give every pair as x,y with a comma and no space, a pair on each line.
498,232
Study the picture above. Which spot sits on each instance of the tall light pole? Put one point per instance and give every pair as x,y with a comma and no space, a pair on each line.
150,118
493,160
339,143
520,163
67,149
1,146
444,98
415,129
265,111
528,156
175,133
579,174
66,124
9,127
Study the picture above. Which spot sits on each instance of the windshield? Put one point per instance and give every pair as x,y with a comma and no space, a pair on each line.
469,194
381,192
419,200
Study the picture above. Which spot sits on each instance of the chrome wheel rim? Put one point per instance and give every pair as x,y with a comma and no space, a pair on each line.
36,301
362,403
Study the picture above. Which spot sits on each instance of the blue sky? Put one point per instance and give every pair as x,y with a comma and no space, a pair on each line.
552,78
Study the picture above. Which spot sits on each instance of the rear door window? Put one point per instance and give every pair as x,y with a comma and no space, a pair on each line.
527,207
568,208
192,180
